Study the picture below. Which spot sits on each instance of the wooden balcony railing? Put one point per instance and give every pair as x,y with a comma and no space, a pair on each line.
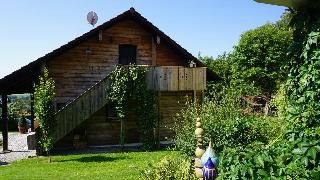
176,78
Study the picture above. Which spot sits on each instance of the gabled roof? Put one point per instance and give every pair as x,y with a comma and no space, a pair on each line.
21,81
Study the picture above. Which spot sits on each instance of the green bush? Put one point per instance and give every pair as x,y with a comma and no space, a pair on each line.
170,167
44,110
225,124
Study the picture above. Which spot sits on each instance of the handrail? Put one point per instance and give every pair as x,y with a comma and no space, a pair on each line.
70,102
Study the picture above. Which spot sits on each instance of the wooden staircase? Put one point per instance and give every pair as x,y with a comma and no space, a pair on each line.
81,108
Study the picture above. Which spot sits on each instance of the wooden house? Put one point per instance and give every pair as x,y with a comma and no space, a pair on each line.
80,70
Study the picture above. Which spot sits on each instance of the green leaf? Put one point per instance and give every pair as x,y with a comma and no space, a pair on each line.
312,152
297,151
262,173
260,160
305,160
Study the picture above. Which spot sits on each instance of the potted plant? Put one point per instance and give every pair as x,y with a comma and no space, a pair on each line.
22,125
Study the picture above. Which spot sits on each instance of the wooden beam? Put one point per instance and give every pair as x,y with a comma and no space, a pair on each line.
194,86
5,121
154,52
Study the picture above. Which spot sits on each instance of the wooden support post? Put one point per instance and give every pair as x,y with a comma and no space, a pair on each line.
122,134
154,52
158,121
32,112
202,97
5,121
194,86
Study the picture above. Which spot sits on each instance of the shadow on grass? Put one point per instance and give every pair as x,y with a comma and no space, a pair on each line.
97,158
3,163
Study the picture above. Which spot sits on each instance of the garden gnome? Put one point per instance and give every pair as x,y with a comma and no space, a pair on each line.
200,149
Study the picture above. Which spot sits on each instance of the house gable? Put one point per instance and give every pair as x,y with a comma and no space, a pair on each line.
80,67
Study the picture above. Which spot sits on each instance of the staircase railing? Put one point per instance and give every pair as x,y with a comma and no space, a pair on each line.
81,108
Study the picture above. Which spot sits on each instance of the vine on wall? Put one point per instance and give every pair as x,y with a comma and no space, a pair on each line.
128,83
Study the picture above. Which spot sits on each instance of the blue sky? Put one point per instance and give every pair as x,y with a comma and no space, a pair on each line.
32,28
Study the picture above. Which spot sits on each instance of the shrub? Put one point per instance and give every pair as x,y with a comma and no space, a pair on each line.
170,167
44,110
297,158
22,121
225,124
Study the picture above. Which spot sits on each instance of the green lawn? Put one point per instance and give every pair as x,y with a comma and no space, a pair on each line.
85,166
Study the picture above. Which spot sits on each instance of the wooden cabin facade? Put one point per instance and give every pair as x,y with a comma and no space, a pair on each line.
80,70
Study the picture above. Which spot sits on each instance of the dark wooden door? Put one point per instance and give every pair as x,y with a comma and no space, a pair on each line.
127,54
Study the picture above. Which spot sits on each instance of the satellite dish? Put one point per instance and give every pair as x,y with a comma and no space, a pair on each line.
92,18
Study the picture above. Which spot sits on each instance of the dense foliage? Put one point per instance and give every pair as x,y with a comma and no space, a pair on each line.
296,154
128,83
293,150
44,110
261,57
226,124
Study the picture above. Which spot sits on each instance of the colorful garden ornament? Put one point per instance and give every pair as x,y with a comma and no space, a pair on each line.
210,163
209,170
209,153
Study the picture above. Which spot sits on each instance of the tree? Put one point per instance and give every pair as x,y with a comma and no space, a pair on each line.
220,65
261,58
44,110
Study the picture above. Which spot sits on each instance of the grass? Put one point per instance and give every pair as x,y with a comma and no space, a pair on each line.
84,166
